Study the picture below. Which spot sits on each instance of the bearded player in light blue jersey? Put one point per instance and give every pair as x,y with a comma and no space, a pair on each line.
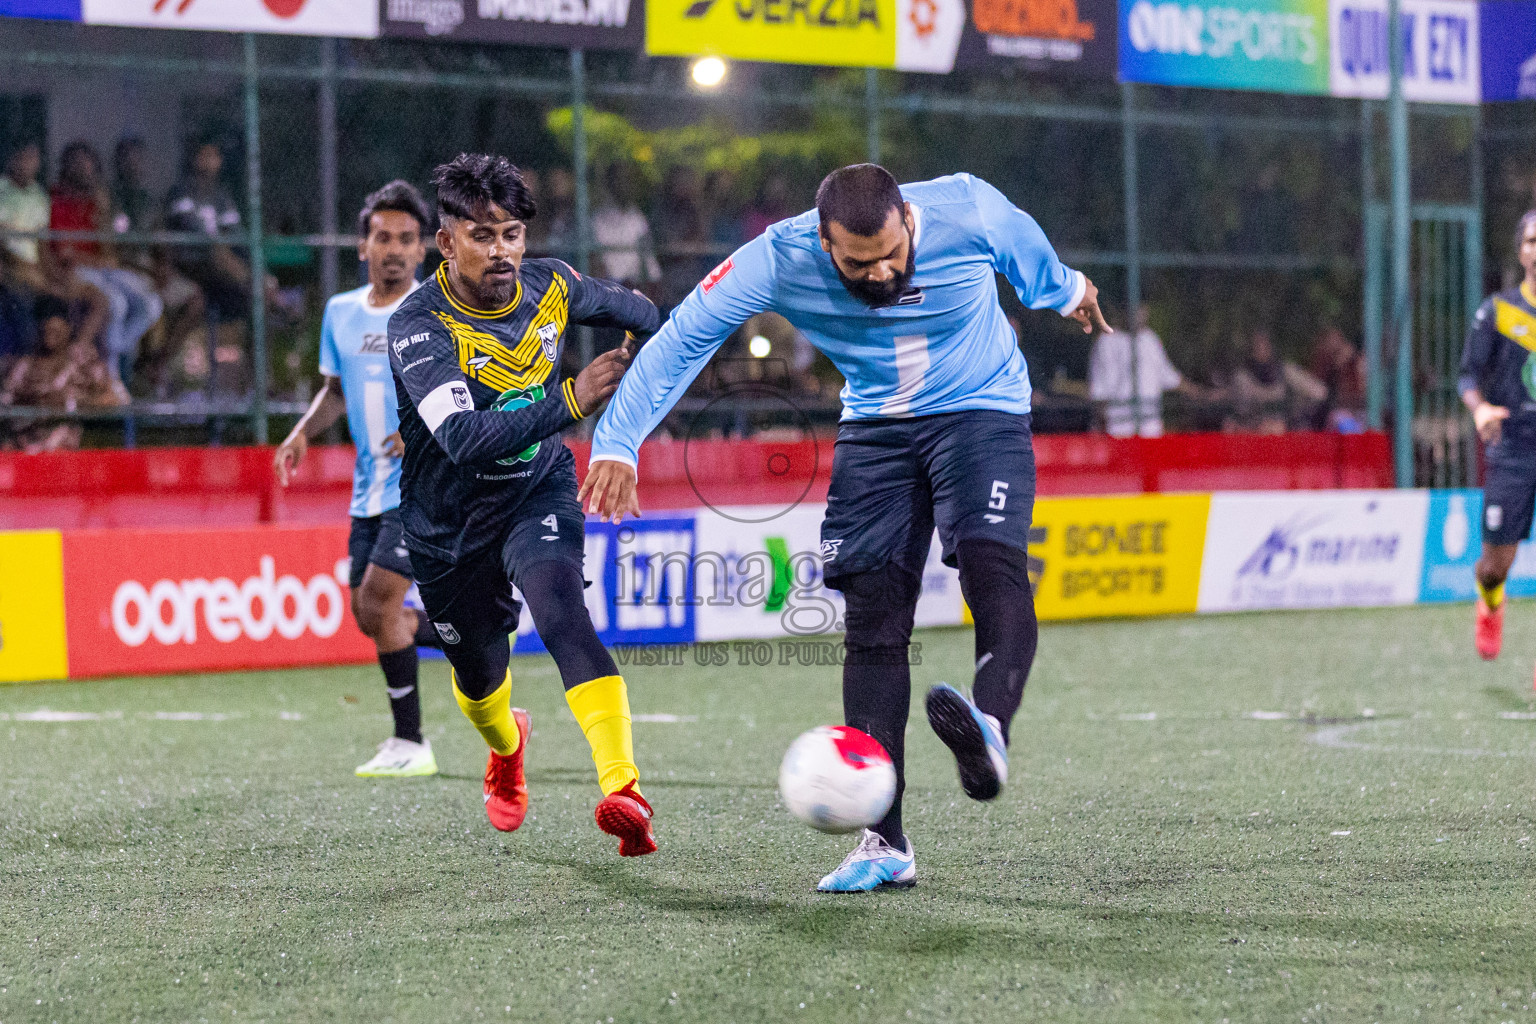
896,285
354,361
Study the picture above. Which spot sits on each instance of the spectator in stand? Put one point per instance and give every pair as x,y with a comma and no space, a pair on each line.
62,375
134,209
1341,368
24,207
1271,395
771,206
200,203
622,234
18,329
683,234
80,203
1109,379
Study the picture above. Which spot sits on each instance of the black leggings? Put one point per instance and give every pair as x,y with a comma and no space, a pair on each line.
877,678
552,590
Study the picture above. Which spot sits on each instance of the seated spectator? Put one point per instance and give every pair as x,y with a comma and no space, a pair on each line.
134,209
200,203
1341,368
1271,395
1109,379
80,203
622,234
24,207
62,374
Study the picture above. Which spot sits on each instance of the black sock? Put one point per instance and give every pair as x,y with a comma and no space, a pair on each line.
877,677
426,633
995,581
404,695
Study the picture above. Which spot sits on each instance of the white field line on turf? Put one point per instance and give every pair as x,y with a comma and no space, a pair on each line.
1336,738
664,718
47,715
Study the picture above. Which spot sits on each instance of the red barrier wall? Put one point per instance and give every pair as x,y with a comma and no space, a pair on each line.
234,486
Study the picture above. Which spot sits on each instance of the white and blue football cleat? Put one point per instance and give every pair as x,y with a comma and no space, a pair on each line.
873,864
974,737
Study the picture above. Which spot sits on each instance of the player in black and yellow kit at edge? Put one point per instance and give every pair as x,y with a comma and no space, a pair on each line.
488,492
1498,385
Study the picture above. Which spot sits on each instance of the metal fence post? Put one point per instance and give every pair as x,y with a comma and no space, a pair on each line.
1402,313
1129,159
872,115
257,250
1371,253
329,275
580,168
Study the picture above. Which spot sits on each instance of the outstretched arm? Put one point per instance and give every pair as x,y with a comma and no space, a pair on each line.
597,302
669,362
427,370
1022,253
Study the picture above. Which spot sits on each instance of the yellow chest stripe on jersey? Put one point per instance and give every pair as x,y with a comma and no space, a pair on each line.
487,360
548,323
1516,324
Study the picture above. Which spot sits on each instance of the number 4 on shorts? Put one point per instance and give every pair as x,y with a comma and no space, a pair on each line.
553,524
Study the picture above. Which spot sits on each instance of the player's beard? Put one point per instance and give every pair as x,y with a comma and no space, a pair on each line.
496,292
875,294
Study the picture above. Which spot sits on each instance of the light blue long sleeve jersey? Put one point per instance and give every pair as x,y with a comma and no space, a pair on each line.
354,339
945,346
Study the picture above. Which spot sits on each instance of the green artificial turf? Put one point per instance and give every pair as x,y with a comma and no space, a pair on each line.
1361,849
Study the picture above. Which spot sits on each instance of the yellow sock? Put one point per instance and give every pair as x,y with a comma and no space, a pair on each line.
1492,596
492,715
601,707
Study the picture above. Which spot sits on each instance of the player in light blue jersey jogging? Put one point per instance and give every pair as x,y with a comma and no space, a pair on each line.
354,361
896,285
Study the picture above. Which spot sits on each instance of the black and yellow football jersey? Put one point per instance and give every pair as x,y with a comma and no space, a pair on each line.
1499,358
481,400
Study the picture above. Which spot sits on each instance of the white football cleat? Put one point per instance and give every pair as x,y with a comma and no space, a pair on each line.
398,758
873,864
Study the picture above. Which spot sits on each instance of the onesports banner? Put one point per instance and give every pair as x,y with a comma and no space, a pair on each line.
1442,56
345,18
589,24
1269,45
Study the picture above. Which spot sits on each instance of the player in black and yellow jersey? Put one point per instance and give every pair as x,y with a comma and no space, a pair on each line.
488,492
1498,385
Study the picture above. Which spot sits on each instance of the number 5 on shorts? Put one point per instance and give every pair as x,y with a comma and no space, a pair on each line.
999,494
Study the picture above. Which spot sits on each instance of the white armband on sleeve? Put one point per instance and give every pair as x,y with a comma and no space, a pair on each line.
1078,291
443,401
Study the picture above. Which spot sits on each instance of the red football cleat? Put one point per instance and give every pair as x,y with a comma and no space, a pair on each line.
1490,629
506,790
626,814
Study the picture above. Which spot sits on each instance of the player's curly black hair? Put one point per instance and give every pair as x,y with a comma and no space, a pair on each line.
400,196
471,183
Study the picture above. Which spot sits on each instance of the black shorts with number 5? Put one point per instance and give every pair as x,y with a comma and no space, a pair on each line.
471,602
971,474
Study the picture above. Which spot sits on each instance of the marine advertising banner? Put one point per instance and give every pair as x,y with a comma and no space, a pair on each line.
1441,50
347,18
1312,549
1269,45
590,24
1094,557
1509,49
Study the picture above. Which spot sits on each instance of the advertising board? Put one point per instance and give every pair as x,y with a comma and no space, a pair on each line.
32,643
346,18
1508,33
590,24
1441,50
1312,549
1270,45
151,601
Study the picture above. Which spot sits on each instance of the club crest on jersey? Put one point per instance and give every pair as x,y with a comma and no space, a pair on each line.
549,338
461,397
713,277
447,632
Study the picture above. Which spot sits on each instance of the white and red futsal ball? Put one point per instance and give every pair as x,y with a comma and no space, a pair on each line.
837,779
